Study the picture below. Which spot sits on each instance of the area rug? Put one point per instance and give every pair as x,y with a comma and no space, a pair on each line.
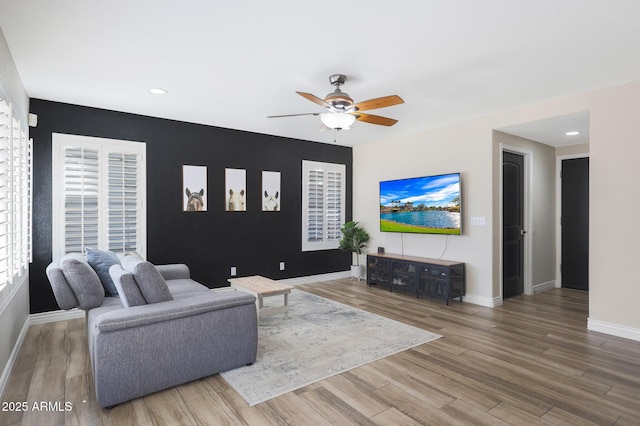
321,338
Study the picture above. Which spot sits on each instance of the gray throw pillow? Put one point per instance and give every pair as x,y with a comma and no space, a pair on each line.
152,285
127,287
101,261
83,280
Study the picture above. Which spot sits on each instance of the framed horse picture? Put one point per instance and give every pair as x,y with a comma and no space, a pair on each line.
271,196
235,190
194,188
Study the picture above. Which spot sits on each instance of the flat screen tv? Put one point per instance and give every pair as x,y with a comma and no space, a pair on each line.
422,205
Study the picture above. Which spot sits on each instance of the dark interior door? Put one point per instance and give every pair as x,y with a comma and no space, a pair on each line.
513,224
575,223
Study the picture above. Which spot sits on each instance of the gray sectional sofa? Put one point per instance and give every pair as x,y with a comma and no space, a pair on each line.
162,328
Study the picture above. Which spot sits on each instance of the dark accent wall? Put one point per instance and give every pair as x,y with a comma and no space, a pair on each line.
208,242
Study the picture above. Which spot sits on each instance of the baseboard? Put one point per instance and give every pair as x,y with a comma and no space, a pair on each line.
489,302
539,288
315,278
12,359
613,329
53,316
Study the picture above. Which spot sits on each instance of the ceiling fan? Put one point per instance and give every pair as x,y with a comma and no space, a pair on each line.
341,111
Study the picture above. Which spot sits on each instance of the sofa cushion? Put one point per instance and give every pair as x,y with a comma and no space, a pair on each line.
152,285
101,261
83,280
61,290
184,286
127,287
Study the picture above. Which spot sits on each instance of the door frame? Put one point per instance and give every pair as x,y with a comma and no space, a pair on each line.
528,237
559,160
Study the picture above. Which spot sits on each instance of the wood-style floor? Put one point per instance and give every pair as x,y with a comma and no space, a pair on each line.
530,361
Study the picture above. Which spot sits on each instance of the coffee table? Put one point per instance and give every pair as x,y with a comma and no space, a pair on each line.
262,287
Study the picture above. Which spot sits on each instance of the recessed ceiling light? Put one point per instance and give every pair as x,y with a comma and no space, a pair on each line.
572,133
157,91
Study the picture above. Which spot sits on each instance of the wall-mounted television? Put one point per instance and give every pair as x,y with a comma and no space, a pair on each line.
422,205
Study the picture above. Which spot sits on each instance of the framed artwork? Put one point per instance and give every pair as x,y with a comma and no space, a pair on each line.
194,188
271,197
235,190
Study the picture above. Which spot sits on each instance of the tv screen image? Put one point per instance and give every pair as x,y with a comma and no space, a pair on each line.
423,205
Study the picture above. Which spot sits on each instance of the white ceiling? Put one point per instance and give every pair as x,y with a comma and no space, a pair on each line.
233,63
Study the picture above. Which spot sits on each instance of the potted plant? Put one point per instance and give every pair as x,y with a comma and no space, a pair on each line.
354,239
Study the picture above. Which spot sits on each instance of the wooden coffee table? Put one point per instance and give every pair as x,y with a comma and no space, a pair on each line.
262,287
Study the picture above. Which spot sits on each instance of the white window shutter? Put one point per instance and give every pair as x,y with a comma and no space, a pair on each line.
81,199
323,204
103,185
315,194
5,164
123,196
15,197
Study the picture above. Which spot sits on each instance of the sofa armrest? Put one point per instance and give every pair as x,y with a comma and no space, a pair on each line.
194,304
174,271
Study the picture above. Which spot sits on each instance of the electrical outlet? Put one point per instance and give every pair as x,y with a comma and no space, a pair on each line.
233,271
282,266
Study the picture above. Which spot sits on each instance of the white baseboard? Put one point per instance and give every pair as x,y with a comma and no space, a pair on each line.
613,329
53,316
315,278
12,359
489,302
538,288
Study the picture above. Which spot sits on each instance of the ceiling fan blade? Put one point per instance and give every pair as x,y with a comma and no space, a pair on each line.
375,119
292,115
315,99
376,103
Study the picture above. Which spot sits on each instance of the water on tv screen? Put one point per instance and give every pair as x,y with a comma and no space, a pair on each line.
424,205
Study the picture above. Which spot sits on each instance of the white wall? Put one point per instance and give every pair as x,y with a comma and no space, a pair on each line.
541,234
468,147
465,149
14,304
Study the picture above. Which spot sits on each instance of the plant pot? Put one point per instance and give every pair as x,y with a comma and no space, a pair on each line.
356,271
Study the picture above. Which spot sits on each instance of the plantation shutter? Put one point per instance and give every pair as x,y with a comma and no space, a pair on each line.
323,207
123,202
335,207
103,188
315,193
20,195
81,199
5,143
15,197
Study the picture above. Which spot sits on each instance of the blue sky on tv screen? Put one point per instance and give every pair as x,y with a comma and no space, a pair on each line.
434,191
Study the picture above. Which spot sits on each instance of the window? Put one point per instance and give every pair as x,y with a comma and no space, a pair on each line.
99,195
323,204
15,197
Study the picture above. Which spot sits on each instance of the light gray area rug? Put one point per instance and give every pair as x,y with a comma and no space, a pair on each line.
321,338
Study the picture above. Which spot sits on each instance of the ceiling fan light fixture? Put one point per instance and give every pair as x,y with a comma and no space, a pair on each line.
337,120
339,99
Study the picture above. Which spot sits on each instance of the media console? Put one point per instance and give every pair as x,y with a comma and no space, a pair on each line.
421,275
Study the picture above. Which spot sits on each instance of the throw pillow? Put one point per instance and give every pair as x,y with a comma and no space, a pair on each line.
152,285
83,280
101,261
127,287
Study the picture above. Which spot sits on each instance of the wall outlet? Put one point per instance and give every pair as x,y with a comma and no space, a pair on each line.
233,271
282,266
478,220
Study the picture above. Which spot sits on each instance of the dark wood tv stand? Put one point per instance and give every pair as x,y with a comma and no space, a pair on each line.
420,275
